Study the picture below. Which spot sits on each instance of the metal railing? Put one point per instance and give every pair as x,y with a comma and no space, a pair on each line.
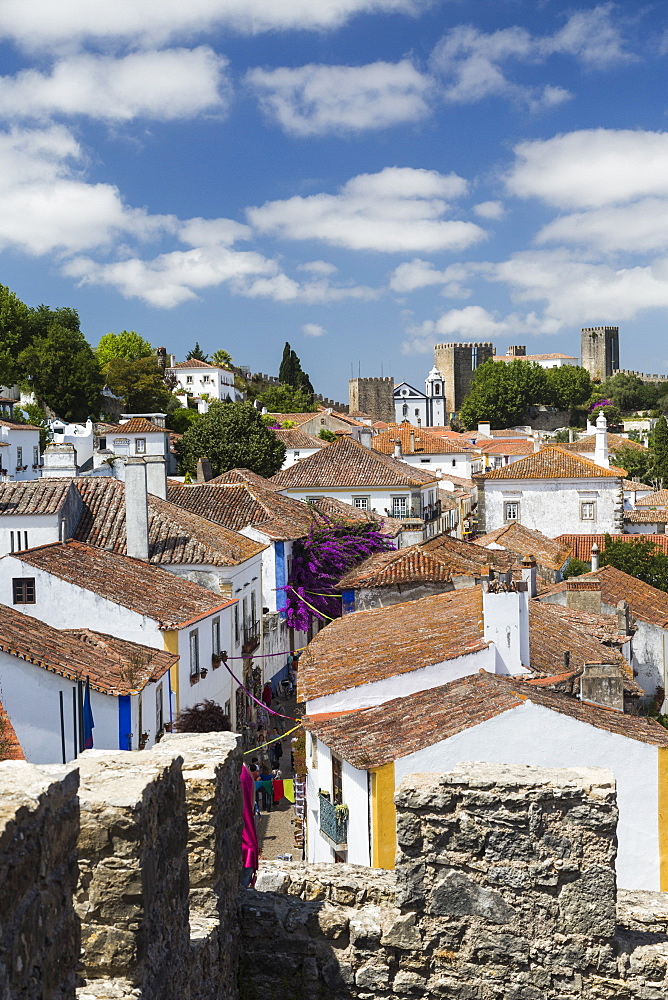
431,511
333,823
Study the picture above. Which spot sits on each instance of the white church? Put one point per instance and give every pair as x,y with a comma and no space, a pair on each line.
424,409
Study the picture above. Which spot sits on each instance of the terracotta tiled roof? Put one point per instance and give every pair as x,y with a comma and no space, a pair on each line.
193,363
242,505
659,498
647,604
36,496
387,569
465,558
461,481
423,443
372,645
505,446
175,535
523,541
293,437
348,463
631,486
148,590
136,425
509,433
554,630
338,510
10,748
243,476
297,418
644,516
615,441
115,666
375,736
18,427
553,463
580,545
534,357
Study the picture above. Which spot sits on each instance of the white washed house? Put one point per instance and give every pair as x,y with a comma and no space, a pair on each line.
20,456
427,451
133,437
199,379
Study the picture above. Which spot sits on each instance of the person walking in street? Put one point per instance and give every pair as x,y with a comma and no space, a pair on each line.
276,749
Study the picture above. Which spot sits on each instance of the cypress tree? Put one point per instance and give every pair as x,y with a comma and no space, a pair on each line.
661,451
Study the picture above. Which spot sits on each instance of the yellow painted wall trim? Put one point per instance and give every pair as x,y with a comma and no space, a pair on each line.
383,817
170,638
663,817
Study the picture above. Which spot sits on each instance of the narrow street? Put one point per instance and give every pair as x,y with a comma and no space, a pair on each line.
275,829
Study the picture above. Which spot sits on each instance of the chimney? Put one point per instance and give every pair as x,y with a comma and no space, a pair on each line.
571,435
601,451
136,508
623,618
584,594
536,441
397,448
156,476
161,357
204,470
411,438
505,611
485,428
594,557
59,461
365,436
603,684
529,574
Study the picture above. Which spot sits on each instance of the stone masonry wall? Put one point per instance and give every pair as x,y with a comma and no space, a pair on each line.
374,396
457,365
39,930
504,889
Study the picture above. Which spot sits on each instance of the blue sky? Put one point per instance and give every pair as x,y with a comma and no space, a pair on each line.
363,178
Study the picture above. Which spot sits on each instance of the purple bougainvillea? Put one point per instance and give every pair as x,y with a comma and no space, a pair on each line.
318,563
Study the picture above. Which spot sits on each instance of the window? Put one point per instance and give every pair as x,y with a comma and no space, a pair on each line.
19,456
312,499
437,388
399,507
337,781
454,463
35,455
159,720
189,379
362,503
24,590
194,654
425,460
511,510
253,608
587,510
102,443
15,542
236,622
205,378
215,636
296,455
244,615
140,446
474,358
404,410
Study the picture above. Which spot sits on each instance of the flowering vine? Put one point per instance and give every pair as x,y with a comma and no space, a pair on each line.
318,563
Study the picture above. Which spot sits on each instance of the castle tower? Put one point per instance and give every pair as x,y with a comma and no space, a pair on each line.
600,350
457,363
374,396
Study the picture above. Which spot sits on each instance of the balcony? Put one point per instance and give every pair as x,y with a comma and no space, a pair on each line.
250,635
333,823
431,511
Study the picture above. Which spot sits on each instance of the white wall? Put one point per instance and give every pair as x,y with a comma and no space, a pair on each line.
42,530
27,441
380,498
400,685
355,789
318,848
553,506
537,736
461,465
293,455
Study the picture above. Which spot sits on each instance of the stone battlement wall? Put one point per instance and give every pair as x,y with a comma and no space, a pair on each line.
504,888
641,375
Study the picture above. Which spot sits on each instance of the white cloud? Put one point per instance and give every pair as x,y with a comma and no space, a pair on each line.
36,23
318,267
176,277
399,209
489,210
173,83
46,206
313,330
636,228
591,168
209,232
316,99
472,63
473,323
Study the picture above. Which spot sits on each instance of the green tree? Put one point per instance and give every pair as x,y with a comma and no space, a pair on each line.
181,419
232,436
576,567
638,464
501,392
285,399
140,384
31,413
291,372
61,368
326,435
571,386
197,354
15,333
127,344
610,411
660,449
637,558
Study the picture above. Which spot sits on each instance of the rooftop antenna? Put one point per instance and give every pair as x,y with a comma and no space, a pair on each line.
352,373
381,369
359,369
